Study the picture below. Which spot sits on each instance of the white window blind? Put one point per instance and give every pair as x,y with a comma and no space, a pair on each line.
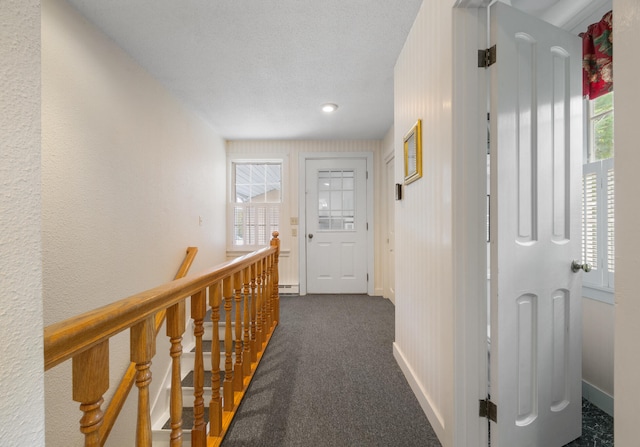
598,222
590,216
610,220
256,203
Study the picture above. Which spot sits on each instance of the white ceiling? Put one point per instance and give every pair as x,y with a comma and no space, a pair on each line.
261,69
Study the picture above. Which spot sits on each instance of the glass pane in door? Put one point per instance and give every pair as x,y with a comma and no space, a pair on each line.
336,208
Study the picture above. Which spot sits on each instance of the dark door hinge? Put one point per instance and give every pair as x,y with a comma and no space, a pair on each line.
486,58
488,410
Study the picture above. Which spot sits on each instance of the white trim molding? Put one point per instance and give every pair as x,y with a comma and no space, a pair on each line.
597,397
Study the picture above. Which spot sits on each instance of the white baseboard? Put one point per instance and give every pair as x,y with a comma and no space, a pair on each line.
289,288
433,415
597,397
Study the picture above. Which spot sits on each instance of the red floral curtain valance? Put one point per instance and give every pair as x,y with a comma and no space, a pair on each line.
597,58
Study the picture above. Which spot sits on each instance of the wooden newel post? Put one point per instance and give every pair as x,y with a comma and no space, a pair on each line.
275,242
143,348
90,377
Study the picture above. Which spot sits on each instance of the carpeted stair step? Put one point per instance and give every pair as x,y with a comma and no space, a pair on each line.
187,382
187,418
208,324
160,436
187,398
206,347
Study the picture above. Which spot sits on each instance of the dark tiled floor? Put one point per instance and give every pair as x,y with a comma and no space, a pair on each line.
597,428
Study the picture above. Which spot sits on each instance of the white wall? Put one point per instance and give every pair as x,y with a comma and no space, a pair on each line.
21,372
626,23
597,346
127,173
288,151
424,253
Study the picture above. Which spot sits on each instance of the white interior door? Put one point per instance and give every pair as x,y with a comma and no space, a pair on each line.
336,225
390,258
536,114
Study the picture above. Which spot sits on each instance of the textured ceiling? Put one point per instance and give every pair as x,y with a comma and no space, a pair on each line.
261,69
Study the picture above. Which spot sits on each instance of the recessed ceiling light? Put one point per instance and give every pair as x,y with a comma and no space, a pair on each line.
328,108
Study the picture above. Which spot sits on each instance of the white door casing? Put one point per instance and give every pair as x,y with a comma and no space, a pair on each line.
390,255
336,211
536,114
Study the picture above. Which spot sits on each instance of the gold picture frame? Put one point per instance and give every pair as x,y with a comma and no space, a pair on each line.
413,154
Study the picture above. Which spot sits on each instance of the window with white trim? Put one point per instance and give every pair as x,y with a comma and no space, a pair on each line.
256,202
598,199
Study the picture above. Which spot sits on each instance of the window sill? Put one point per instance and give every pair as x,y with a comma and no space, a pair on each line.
604,294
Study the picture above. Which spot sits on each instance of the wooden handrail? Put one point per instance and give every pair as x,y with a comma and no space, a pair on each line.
112,411
85,339
68,338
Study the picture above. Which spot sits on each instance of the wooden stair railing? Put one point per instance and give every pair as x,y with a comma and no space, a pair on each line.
85,340
126,383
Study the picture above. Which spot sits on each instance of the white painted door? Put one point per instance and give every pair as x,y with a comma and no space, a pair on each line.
336,225
390,258
536,114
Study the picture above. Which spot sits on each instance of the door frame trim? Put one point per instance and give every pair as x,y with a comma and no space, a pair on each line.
469,222
302,211
389,209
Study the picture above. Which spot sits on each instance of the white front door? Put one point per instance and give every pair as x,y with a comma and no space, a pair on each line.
536,159
336,225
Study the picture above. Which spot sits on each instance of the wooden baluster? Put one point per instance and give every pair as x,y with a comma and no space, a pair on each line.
175,330
227,390
199,431
90,378
246,342
275,242
267,294
259,335
215,406
265,328
238,371
254,298
143,348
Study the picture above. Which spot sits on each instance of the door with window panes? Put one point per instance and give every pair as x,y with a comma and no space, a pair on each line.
336,225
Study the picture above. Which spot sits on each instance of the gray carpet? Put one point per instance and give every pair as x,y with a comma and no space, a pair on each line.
328,378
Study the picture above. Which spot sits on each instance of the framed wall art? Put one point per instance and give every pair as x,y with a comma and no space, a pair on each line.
413,154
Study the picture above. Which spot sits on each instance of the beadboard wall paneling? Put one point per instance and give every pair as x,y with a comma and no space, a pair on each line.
424,291
288,151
